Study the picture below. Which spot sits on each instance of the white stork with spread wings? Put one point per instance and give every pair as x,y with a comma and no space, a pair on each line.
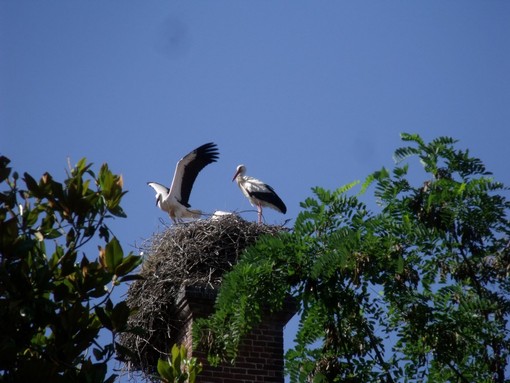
175,201
258,193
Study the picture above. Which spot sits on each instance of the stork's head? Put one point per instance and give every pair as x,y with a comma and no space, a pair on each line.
161,192
240,171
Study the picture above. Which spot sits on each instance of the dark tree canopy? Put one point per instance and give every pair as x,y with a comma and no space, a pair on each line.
416,289
54,301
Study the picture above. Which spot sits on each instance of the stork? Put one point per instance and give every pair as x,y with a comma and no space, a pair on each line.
175,201
258,193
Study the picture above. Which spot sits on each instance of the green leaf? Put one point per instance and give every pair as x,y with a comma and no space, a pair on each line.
104,318
129,278
400,265
52,234
104,233
4,169
128,264
403,153
165,370
120,315
113,254
81,166
117,211
412,137
98,354
31,216
176,359
32,185
106,179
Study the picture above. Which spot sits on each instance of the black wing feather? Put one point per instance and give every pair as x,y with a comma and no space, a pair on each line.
271,197
204,155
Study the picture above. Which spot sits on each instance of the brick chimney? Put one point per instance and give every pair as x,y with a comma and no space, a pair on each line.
260,356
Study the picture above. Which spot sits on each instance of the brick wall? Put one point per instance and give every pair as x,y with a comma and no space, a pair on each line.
260,357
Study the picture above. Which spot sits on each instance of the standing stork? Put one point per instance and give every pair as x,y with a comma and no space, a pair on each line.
175,200
258,193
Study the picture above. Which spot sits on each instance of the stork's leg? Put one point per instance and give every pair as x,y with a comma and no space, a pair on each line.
259,210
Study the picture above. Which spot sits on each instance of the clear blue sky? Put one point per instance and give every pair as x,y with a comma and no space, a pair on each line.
303,93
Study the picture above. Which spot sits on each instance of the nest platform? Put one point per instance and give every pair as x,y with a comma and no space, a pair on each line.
196,254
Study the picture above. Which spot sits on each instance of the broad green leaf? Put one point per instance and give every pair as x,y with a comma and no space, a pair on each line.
81,165
133,277
165,370
120,315
128,264
4,169
32,185
113,254
104,317
176,359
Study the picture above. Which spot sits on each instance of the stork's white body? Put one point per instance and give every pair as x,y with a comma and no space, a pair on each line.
174,200
258,193
169,202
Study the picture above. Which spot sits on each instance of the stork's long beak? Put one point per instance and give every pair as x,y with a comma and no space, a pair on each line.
235,175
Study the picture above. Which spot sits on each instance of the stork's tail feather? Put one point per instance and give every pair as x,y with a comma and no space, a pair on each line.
193,213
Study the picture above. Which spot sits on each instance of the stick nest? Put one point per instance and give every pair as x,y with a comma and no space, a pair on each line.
192,254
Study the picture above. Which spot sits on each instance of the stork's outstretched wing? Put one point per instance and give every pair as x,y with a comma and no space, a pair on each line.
187,169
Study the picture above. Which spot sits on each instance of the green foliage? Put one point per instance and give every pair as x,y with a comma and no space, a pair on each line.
178,368
415,291
53,301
